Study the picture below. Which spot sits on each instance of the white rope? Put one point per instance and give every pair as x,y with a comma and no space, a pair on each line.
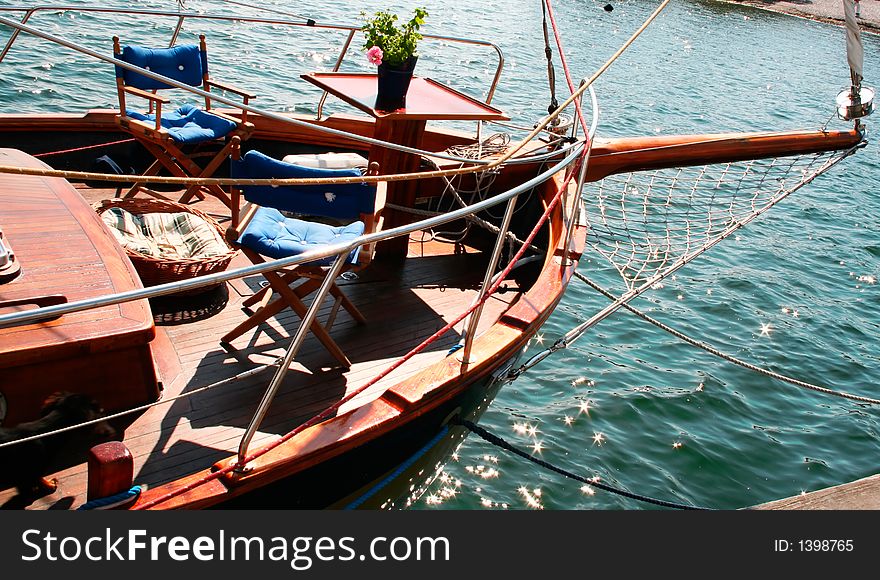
729,358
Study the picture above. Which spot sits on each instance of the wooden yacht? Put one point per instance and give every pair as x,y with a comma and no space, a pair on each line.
351,393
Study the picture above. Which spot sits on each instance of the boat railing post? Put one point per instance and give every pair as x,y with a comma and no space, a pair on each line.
575,202
474,318
574,126
582,175
15,34
288,357
339,60
497,76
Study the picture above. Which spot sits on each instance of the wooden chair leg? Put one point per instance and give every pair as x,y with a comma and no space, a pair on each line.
295,303
153,169
208,171
337,293
267,312
313,283
259,295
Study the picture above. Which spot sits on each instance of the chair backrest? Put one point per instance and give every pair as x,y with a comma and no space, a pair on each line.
186,63
342,201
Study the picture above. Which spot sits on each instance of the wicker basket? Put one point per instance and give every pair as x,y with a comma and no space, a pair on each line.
154,271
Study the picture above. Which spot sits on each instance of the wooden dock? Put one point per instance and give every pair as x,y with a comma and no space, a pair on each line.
862,494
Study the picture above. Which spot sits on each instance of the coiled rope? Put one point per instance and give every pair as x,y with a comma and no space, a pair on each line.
113,501
496,144
499,442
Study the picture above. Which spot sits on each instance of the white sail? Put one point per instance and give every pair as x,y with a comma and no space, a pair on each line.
854,50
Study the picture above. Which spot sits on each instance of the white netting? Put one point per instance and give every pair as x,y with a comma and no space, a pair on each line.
650,223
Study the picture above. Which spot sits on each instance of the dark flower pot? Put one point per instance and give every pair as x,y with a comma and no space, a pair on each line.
393,85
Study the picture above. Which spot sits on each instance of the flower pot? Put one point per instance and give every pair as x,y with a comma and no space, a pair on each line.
393,84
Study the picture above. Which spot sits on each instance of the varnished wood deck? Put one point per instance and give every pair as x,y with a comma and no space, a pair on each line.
404,304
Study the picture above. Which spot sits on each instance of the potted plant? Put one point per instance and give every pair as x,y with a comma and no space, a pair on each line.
393,49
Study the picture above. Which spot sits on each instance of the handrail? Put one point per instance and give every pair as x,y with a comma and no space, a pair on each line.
230,102
289,354
311,313
571,151
30,10
341,252
28,316
15,33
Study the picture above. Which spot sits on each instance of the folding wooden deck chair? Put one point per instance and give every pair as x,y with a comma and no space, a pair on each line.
263,232
176,138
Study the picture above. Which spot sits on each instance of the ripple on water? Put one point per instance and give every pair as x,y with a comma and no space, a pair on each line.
646,412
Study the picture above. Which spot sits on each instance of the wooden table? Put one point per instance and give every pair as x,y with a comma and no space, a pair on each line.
66,254
426,100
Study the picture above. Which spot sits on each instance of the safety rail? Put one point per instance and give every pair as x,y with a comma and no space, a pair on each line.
561,158
506,158
340,251
182,17
34,315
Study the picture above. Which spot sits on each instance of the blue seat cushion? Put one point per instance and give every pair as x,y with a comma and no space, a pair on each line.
189,124
271,234
184,63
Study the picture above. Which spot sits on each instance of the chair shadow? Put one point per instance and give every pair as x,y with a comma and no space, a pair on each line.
398,317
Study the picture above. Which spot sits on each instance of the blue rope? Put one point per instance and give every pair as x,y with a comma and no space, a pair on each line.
400,469
458,346
119,498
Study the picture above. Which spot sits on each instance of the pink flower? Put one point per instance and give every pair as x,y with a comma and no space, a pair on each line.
374,55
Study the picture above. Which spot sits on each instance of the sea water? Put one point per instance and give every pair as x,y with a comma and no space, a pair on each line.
794,292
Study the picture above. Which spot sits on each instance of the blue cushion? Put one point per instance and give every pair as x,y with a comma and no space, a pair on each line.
189,124
343,201
184,63
271,234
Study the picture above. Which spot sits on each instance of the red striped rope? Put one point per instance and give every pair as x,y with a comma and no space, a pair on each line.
83,148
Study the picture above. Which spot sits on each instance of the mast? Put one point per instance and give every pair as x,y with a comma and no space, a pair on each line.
856,101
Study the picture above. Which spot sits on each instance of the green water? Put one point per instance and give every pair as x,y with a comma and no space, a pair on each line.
628,402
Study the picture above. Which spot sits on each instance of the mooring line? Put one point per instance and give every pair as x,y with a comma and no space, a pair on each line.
729,358
499,442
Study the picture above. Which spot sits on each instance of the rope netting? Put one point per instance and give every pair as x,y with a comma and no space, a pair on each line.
649,223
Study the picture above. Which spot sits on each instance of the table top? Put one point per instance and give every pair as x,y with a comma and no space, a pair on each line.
426,99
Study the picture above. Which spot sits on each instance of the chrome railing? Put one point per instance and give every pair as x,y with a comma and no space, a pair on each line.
340,251
182,17
560,158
